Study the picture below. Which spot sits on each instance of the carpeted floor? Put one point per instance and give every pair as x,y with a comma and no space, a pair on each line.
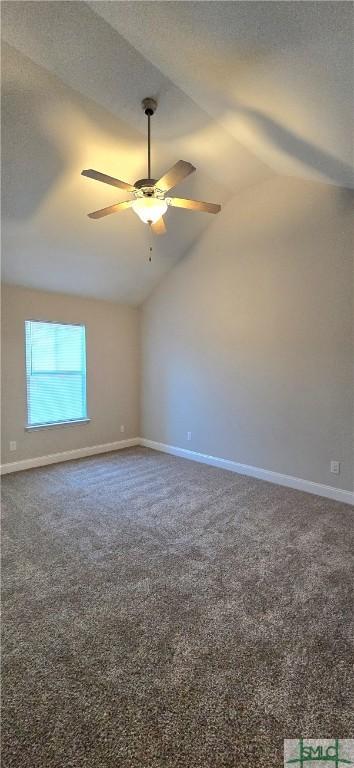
164,614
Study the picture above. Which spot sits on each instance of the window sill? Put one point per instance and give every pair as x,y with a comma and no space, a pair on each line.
32,427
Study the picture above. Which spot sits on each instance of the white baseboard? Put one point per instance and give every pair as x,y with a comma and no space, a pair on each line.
77,453
338,494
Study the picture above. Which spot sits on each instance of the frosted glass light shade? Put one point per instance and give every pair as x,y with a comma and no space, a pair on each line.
149,209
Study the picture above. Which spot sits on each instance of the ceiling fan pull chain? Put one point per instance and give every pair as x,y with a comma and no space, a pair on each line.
150,244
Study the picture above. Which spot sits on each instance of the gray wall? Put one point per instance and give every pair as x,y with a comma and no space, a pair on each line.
113,371
248,342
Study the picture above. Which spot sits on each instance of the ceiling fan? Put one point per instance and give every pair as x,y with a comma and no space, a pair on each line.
149,201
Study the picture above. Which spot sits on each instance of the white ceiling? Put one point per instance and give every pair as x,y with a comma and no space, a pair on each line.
245,90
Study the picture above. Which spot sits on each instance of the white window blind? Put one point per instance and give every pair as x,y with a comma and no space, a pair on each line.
55,373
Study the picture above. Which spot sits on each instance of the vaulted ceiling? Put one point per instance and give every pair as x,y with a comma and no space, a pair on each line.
245,90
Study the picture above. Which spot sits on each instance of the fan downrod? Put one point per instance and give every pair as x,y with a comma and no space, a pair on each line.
149,106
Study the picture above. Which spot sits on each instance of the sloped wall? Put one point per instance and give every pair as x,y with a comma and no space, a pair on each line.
248,342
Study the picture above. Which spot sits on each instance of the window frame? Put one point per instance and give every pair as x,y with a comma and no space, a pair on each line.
49,425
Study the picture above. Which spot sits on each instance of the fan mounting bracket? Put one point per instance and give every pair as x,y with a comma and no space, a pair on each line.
149,106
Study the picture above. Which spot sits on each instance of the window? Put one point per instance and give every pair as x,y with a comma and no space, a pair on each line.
55,373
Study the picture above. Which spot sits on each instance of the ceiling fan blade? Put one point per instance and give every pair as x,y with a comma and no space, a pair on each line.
111,209
91,174
177,173
194,205
159,228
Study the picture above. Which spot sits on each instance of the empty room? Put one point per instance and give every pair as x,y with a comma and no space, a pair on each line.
177,384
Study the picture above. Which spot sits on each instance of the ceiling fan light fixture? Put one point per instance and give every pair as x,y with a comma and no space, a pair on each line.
149,209
150,202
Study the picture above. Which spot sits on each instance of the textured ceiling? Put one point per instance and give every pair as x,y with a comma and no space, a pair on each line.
245,90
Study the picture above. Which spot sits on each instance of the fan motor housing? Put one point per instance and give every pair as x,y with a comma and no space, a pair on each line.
147,186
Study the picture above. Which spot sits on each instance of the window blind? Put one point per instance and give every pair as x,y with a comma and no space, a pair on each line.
55,373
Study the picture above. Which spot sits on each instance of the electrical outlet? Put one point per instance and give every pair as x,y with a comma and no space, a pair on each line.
335,467
13,445
122,428
189,435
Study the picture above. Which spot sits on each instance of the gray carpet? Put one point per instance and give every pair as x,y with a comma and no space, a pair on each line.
161,614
